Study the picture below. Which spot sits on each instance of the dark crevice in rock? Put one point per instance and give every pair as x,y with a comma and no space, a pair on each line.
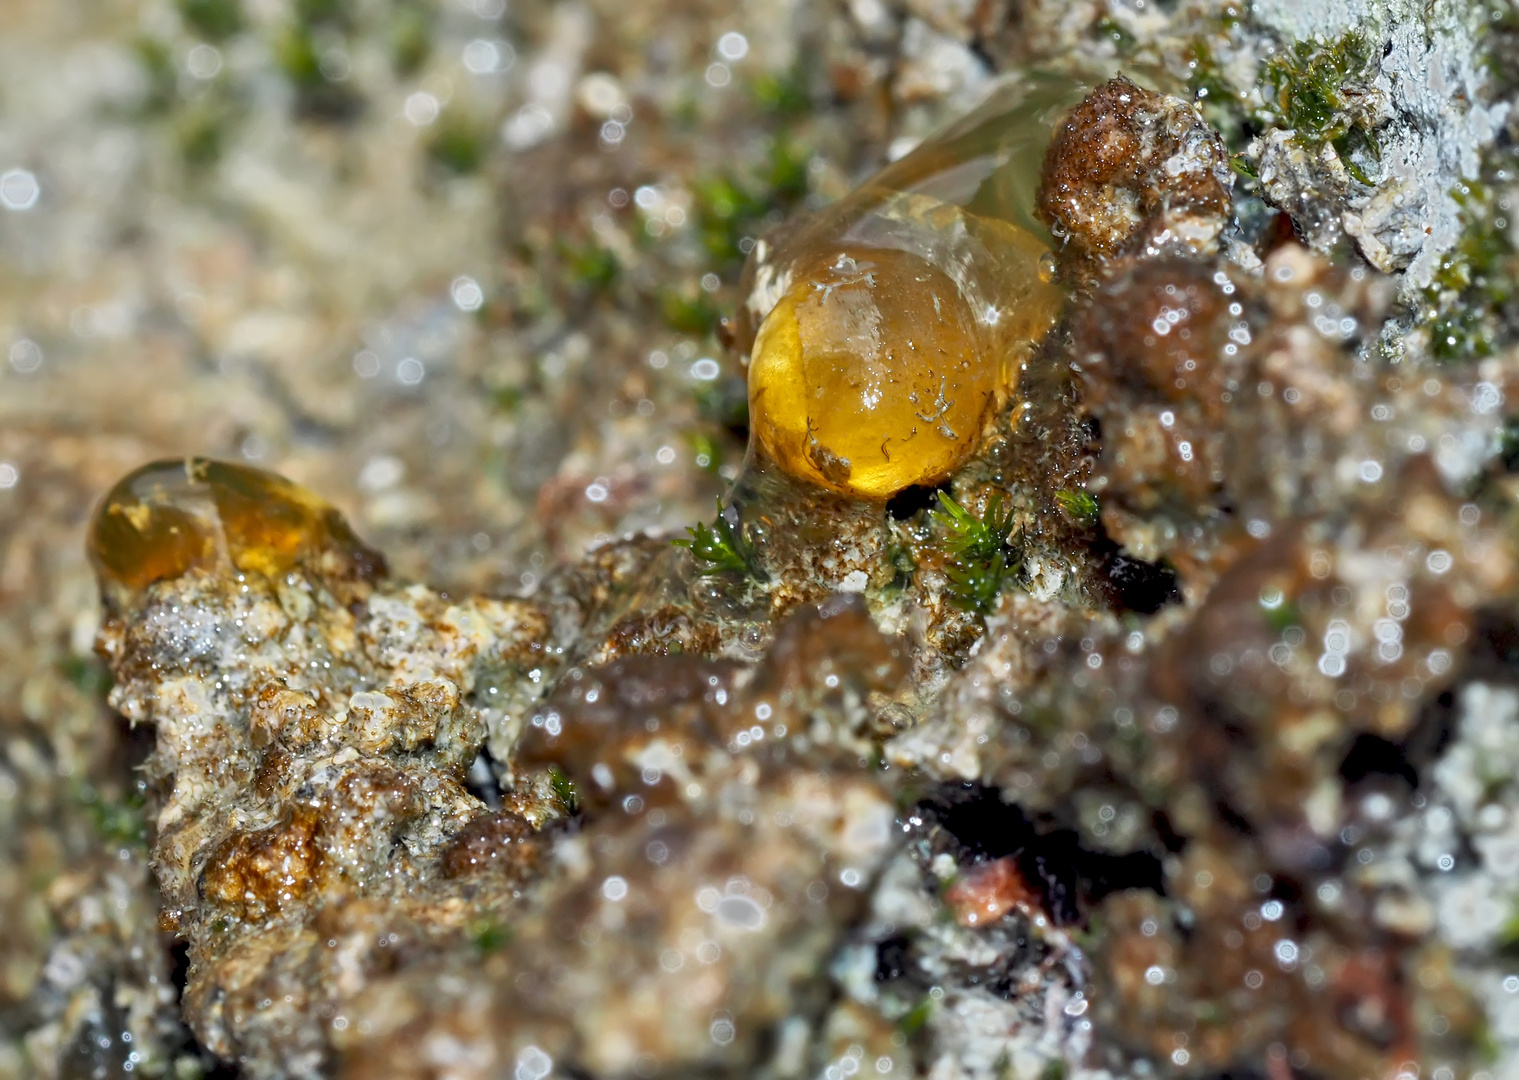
1372,756
179,966
892,960
911,501
1068,877
1140,586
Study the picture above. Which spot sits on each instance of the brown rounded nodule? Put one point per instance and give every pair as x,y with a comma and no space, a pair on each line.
500,841
1130,167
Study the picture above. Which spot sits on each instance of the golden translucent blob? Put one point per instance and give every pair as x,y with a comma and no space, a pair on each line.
890,328
173,516
869,374
876,369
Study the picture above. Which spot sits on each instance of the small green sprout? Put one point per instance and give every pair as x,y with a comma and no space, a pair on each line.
726,213
589,266
1117,33
295,53
564,790
1279,609
784,94
720,547
458,143
298,57
705,452
508,399
1243,166
1508,444
1508,937
916,1017
214,20
696,315
904,565
1054,1069
730,209
157,64
121,821
316,12
410,39
86,674
201,134
1078,505
489,936
1221,102
981,561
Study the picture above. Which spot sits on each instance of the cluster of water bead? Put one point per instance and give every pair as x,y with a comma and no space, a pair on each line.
181,514
892,324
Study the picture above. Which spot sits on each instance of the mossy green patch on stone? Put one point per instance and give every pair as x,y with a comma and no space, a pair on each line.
1319,90
1474,283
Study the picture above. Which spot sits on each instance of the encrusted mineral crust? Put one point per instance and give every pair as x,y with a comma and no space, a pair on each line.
1174,735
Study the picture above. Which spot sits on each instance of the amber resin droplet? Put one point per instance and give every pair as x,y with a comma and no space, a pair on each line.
870,377
892,325
170,517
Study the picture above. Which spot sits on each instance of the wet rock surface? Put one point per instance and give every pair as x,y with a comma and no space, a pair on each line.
1166,726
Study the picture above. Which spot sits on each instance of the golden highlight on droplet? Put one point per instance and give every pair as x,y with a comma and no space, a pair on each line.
170,517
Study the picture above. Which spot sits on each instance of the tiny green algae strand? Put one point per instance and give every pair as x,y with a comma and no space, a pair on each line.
1078,505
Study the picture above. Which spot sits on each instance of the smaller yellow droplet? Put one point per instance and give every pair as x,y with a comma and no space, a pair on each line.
174,516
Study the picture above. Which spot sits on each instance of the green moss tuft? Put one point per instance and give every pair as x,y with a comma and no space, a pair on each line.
201,134
87,675
706,452
122,821
157,64
1221,104
687,314
784,94
297,55
916,1017
720,548
319,12
1114,31
980,559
